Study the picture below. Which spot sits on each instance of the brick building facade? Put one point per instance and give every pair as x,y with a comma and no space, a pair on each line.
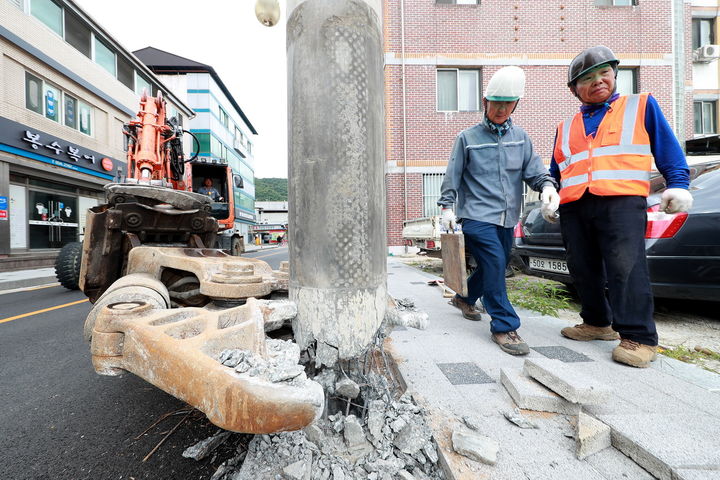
431,46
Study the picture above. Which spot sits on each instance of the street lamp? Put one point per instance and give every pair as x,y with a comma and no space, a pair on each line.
267,12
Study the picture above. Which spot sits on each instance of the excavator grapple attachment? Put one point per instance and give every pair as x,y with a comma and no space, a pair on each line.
185,352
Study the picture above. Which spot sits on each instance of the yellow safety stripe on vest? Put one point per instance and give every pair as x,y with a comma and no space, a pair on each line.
607,175
606,151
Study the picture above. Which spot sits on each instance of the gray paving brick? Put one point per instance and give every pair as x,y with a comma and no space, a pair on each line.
464,373
569,381
695,474
562,353
529,394
662,443
592,436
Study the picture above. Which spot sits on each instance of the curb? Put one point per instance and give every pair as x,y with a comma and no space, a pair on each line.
27,282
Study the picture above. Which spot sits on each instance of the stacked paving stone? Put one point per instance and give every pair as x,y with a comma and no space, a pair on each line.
548,385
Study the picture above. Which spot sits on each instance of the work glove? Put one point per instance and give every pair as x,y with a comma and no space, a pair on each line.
448,219
675,200
550,203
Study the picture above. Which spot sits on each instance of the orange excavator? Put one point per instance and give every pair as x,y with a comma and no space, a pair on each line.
173,311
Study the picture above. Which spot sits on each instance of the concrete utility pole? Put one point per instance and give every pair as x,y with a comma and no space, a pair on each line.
336,174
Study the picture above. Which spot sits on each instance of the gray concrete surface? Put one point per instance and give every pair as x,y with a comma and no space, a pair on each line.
640,399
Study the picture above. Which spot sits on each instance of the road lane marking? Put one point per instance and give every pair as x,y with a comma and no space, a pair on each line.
267,255
37,312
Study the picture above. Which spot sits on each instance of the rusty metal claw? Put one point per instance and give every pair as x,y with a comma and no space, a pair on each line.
177,350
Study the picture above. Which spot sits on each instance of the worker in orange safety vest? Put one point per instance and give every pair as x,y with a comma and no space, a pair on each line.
602,160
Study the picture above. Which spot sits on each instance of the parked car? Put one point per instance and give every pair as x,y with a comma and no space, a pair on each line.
683,249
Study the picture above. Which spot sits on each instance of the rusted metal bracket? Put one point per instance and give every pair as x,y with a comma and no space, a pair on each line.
177,350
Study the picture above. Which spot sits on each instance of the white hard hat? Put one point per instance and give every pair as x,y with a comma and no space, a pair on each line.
506,85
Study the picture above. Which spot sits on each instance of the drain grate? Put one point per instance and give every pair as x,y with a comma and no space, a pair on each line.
464,373
563,354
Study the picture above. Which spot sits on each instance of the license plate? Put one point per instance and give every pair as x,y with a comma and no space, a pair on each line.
548,265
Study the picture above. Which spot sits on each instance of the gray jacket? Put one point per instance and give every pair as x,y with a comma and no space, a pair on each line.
485,174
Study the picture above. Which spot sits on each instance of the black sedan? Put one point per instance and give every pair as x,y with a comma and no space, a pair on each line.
683,249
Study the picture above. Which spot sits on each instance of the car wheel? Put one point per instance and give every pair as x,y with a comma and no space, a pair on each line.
67,265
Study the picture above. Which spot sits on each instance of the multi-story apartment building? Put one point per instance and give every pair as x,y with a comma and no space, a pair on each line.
439,55
220,125
67,89
705,66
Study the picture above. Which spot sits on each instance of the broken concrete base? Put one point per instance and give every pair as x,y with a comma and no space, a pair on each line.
567,380
592,436
531,395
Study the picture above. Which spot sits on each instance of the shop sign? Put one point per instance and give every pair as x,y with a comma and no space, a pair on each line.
54,150
3,208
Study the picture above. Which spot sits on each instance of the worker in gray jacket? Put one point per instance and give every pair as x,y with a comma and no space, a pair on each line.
484,177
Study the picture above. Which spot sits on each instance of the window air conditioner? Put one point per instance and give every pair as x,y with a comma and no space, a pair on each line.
707,53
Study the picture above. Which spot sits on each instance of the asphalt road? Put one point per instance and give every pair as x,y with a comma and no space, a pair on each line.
60,420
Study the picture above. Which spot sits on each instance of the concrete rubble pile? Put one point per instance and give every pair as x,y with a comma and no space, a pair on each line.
369,430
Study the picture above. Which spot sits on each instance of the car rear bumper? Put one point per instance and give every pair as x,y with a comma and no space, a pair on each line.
522,254
692,278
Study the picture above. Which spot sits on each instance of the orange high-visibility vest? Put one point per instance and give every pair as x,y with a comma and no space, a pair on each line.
617,161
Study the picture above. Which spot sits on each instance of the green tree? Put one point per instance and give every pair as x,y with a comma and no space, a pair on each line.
271,189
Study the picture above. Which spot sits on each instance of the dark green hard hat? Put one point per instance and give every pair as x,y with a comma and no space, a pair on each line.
588,59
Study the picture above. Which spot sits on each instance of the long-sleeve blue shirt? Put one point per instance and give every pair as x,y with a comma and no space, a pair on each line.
486,171
669,157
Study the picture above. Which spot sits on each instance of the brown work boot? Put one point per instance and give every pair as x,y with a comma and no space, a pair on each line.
585,332
511,343
468,311
634,354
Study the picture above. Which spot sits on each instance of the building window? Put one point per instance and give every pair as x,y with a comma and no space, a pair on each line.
627,81
458,90
702,32
105,57
85,118
51,97
224,119
77,33
431,193
70,111
33,93
49,13
705,114
142,84
125,73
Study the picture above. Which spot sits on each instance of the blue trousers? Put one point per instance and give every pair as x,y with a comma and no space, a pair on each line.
605,242
490,246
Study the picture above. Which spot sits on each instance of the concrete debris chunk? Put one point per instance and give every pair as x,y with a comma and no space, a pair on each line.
353,432
347,388
528,394
404,313
405,475
568,381
412,438
280,366
299,470
314,434
592,436
277,312
205,447
475,446
516,417
472,423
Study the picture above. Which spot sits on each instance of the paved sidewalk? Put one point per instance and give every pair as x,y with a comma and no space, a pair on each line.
666,418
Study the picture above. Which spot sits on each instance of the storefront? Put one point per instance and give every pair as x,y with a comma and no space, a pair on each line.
50,183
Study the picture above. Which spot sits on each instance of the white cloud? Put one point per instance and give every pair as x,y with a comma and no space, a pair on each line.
248,57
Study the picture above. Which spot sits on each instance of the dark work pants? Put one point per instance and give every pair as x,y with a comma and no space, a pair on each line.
490,246
605,242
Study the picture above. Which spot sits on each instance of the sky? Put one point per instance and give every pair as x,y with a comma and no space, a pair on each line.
248,57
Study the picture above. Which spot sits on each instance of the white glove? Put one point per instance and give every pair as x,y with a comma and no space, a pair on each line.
550,203
675,200
448,219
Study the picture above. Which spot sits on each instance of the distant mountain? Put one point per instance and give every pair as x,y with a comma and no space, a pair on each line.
271,189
